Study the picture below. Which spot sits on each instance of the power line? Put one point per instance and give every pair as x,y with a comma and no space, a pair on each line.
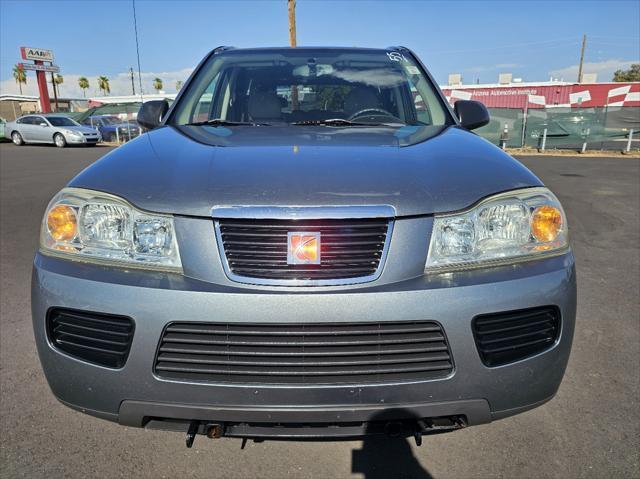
135,27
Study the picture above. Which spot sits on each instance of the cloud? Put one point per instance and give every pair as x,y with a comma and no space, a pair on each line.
604,69
120,84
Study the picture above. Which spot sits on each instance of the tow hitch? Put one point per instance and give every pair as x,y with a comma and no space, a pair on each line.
213,431
437,425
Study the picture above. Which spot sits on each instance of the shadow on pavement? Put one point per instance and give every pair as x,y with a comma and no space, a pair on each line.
387,457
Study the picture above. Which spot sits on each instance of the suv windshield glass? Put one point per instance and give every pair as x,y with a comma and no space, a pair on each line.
310,86
61,121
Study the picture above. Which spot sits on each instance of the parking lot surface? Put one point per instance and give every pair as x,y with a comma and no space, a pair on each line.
591,428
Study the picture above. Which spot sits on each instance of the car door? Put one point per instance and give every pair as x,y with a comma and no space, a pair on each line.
42,133
26,128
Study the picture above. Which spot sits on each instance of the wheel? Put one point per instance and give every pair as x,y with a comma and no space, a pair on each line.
59,140
17,138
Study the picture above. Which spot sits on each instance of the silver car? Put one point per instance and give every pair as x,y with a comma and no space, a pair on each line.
310,243
59,130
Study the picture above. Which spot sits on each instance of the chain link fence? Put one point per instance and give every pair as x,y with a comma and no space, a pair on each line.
606,128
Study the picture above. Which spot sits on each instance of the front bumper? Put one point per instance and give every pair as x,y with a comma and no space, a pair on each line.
77,140
134,394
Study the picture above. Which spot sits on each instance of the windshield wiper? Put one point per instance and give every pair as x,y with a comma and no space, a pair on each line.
333,122
221,122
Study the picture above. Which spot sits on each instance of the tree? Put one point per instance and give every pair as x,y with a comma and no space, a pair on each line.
157,84
632,74
103,85
58,80
179,84
84,84
19,76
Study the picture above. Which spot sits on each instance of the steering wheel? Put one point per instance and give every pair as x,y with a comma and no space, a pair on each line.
371,110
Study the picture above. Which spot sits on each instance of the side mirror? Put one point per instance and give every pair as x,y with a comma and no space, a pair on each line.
151,113
472,114
43,124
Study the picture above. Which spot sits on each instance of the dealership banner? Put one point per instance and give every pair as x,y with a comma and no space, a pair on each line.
546,96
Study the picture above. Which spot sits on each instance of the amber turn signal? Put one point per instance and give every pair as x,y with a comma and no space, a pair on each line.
546,223
62,223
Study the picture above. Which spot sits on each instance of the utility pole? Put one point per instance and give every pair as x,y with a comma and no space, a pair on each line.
292,42
584,44
133,85
55,90
292,22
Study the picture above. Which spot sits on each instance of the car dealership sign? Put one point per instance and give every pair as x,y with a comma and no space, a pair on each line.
40,56
30,53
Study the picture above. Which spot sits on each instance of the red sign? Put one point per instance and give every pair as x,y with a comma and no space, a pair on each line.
572,95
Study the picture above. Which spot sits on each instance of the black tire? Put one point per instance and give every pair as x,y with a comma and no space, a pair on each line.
59,140
17,139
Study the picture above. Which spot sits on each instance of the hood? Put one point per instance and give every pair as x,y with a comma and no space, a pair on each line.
81,129
416,170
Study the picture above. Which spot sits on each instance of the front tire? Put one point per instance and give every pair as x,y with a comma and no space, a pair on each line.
59,140
17,138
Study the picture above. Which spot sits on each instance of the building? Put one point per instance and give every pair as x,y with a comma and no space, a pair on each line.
547,94
13,106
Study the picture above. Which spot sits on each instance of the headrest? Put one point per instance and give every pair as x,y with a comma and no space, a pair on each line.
264,105
359,99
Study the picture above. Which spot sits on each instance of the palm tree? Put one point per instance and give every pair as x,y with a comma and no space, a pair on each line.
103,85
58,80
20,76
84,84
179,84
157,84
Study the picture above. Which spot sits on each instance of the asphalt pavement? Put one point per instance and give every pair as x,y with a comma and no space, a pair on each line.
590,429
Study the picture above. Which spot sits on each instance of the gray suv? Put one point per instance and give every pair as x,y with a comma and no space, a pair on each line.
309,243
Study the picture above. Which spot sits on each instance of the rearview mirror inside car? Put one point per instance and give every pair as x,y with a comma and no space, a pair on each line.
472,114
151,113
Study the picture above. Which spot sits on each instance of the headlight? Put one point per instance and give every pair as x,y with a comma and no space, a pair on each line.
504,228
73,133
97,227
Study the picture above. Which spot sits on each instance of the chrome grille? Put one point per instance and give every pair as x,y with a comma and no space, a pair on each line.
352,250
304,353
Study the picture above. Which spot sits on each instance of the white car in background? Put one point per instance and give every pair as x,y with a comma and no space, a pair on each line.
56,129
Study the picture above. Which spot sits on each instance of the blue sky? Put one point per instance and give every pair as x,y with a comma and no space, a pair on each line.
479,39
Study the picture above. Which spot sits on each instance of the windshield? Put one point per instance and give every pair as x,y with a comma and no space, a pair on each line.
61,121
111,120
311,86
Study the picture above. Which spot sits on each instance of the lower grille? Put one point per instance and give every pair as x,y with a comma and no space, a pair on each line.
503,338
350,248
93,337
304,353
